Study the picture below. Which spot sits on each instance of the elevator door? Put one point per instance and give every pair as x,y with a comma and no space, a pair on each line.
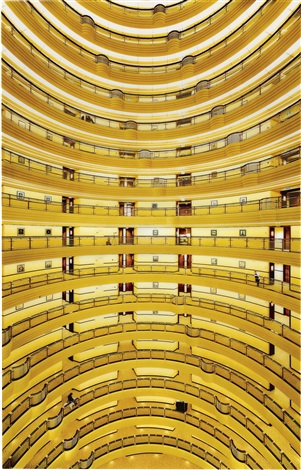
184,208
126,236
126,260
183,236
272,238
127,208
68,204
286,273
67,265
184,289
126,287
287,238
184,261
272,273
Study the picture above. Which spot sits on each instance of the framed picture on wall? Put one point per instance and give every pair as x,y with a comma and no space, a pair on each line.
21,231
243,200
242,233
20,194
48,264
242,264
20,268
155,259
155,285
213,233
155,232
214,202
214,261
48,231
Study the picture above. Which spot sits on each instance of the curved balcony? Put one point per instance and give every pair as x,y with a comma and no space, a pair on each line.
28,204
221,402
240,105
249,32
193,306
277,414
157,74
129,15
27,130
86,339
25,169
20,284
151,440
201,421
18,243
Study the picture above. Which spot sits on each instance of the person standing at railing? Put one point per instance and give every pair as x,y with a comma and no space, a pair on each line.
70,401
257,278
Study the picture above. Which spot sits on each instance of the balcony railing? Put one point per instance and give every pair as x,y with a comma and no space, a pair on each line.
279,118
237,412
21,284
15,243
233,408
265,360
267,164
262,48
149,126
227,311
268,203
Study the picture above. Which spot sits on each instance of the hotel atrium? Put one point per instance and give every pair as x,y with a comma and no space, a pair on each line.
151,234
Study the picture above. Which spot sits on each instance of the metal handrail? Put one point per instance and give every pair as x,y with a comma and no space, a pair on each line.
259,357
19,284
14,243
241,171
46,316
268,203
